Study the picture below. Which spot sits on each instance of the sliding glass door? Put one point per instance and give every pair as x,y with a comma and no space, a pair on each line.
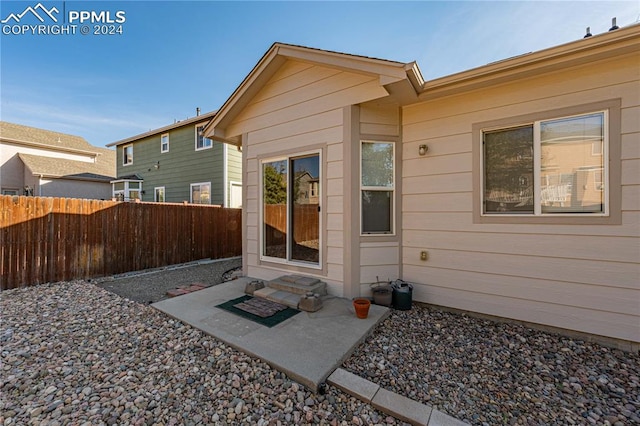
291,209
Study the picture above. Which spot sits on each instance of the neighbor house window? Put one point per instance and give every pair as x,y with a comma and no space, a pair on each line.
377,187
127,155
201,193
547,167
158,194
164,143
201,141
126,189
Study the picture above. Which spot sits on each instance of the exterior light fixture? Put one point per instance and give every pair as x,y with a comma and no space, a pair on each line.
422,149
157,165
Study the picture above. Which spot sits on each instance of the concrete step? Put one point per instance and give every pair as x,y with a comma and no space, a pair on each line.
307,303
298,284
279,296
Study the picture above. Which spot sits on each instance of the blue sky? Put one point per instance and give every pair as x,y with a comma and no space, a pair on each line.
174,56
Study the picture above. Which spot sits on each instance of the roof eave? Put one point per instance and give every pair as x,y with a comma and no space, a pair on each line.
49,147
198,118
390,73
602,46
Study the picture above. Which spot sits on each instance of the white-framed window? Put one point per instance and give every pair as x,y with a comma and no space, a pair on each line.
547,167
158,194
164,143
377,187
127,155
201,193
201,141
126,189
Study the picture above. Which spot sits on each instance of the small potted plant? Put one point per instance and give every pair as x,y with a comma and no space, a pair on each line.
361,305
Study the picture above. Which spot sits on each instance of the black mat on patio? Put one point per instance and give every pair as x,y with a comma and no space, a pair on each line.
276,318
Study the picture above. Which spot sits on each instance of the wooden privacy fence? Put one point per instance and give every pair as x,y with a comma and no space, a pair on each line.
305,218
57,239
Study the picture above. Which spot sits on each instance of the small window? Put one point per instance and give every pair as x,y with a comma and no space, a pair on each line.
158,194
377,187
127,155
201,141
547,167
164,143
10,192
201,193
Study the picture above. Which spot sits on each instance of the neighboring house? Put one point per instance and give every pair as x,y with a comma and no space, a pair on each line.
176,163
52,164
512,189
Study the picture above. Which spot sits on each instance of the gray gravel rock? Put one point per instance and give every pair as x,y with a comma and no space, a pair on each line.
73,353
489,373
151,285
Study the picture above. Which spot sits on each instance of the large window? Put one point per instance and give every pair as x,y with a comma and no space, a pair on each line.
547,167
201,141
377,187
126,189
127,155
164,143
291,209
201,193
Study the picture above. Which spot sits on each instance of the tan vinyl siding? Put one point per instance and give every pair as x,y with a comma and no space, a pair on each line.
378,261
381,120
300,109
579,277
304,94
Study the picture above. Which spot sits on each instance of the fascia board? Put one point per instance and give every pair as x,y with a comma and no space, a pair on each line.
388,72
202,117
48,147
583,51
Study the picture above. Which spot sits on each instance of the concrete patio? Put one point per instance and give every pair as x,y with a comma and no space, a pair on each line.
309,347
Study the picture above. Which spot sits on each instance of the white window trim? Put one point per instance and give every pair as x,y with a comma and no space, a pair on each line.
162,150
286,260
155,193
391,189
126,191
124,148
537,168
203,138
201,183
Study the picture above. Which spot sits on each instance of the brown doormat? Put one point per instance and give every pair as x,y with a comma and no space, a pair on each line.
261,307
245,306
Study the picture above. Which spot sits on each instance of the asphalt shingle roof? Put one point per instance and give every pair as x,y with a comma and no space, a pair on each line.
18,132
103,169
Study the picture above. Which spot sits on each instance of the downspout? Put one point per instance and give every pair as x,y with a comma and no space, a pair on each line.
40,185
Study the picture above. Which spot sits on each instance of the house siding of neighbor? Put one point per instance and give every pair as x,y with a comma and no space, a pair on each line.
170,158
545,254
52,164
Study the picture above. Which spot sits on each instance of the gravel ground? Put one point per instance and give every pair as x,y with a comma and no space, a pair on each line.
489,373
75,353
152,285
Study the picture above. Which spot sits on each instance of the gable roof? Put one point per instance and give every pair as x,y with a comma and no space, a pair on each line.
104,169
202,117
45,139
400,79
405,83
